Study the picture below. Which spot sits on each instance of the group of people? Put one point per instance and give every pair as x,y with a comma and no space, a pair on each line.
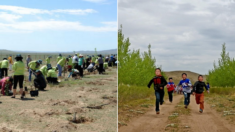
187,89
74,64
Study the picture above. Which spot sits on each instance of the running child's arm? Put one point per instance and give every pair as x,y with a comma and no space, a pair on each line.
207,89
164,82
150,83
189,83
194,87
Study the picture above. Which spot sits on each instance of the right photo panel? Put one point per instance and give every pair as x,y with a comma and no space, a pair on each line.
176,66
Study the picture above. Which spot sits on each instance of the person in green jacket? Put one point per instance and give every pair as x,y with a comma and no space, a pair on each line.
58,58
43,70
33,66
4,67
48,60
80,64
60,65
18,68
93,60
52,76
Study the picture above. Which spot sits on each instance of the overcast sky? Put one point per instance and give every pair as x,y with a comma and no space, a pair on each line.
58,25
185,35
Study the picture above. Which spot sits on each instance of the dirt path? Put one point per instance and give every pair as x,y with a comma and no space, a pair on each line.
208,121
150,122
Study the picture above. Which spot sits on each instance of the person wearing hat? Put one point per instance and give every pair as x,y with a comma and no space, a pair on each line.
60,65
58,58
33,66
10,62
52,76
101,64
29,59
80,64
4,67
75,61
48,60
39,81
18,68
70,62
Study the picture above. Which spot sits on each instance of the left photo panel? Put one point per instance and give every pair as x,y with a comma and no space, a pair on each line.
58,66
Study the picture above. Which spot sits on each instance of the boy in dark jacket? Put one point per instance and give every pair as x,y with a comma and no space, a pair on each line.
198,92
159,83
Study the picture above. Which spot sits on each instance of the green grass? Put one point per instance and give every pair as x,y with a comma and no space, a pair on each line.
223,101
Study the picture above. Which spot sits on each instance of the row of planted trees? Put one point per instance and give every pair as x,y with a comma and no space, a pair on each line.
223,74
134,68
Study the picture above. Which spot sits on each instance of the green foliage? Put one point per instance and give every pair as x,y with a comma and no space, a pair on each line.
223,74
134,68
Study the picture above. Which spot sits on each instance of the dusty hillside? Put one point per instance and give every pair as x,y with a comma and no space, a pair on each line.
177,75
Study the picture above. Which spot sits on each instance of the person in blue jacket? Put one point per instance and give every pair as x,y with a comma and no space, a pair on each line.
186,85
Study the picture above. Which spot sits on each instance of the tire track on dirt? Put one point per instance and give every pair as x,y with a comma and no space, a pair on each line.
150,122
208,121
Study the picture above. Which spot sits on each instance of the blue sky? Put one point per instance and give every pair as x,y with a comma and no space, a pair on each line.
58,25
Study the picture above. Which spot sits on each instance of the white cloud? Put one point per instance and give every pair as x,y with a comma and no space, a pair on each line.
32,11
55,25
75,12
9,17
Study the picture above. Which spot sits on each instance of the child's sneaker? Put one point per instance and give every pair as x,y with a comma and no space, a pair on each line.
161,103
200,110
158,112
186,106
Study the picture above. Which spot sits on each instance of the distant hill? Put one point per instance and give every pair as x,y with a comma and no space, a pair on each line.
7,52
177,76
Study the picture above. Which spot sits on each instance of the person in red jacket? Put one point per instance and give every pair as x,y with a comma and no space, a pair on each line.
170,87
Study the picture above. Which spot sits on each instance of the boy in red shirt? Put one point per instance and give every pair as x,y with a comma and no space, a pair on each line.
170,87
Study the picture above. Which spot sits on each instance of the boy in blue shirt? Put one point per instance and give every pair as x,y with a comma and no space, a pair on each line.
186,85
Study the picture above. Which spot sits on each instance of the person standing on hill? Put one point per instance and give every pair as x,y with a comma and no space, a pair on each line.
75,61
80,64
18,69
29,59
170,87
4,67
48,60
198,92
159,83
93,60
186,85
33,66
101,64
60,65
70,62
10,62
58,58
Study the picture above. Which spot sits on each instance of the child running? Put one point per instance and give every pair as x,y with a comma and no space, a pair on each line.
186,86
198,92
170,87
159,83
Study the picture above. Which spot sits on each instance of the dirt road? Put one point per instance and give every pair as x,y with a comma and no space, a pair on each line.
209,121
